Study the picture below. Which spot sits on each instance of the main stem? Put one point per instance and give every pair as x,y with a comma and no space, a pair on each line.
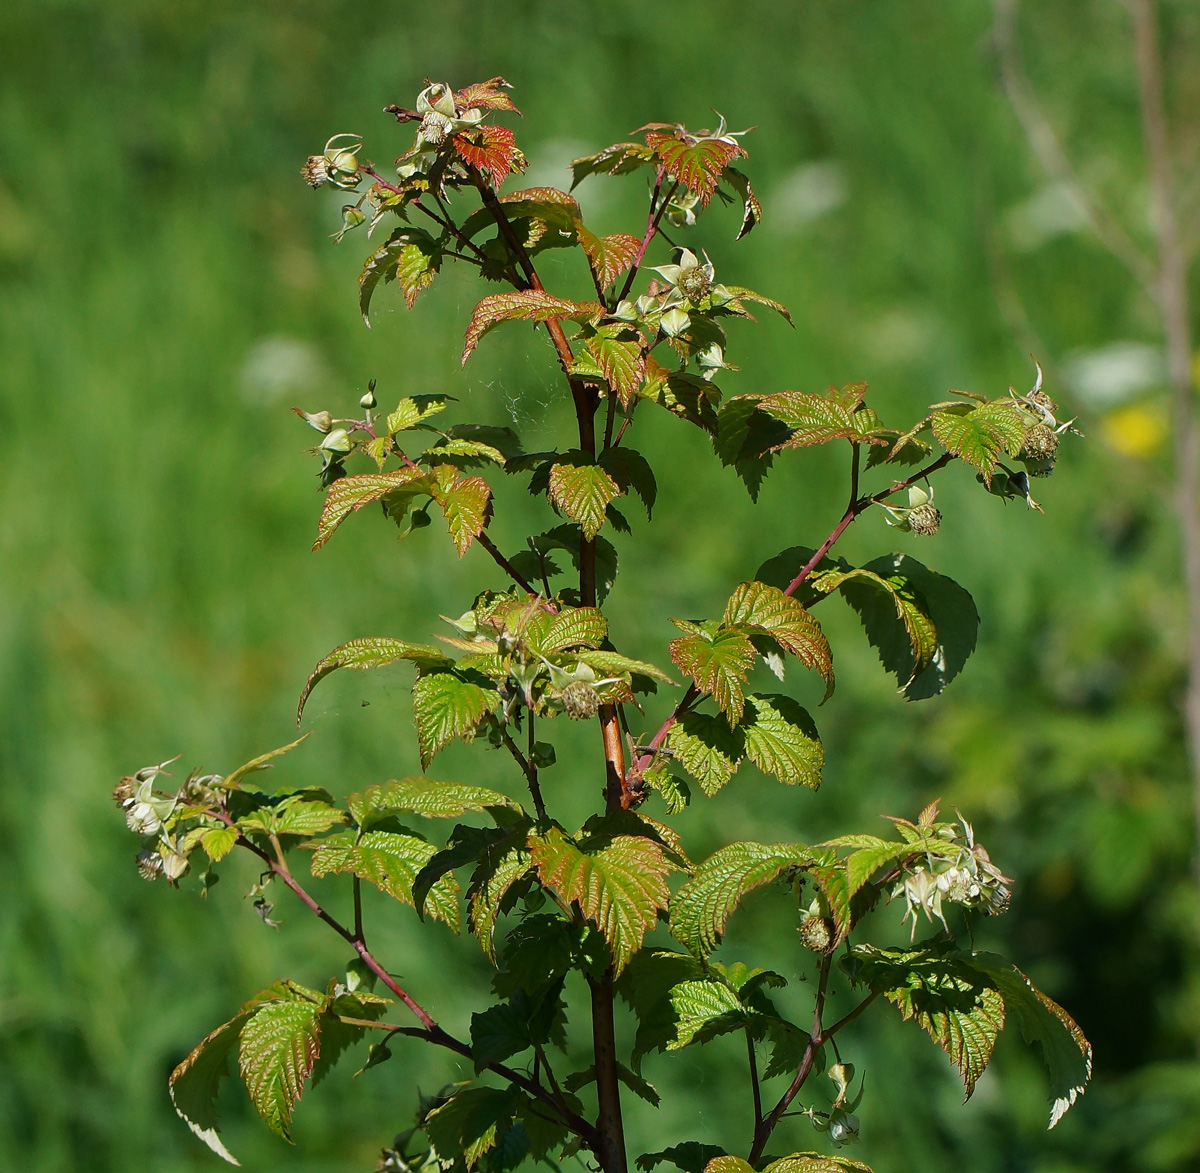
1173,300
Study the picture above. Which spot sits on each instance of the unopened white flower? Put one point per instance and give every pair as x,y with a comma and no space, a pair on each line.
440,118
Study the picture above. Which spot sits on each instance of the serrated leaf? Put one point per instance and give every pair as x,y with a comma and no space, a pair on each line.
526,1020
619,884
1067,1052
704,1010
759,608
741,293
698,165
951,1000
751,208
381,264
646,986
413,410
812,1163
781,739
491,883
391,862
619,159
817,419
370,652
981,435
691,1157
446,706
946,607
233,780
487,95
465,503
349,494
582,490
632,471
218,842
567,537
465,448
718,661
610,255
618,354
470,1122
707,748
195,1082
418,264
305,818
529,304
490,149
862,864
701,908
277,1048
922,633
615,664
423,796
574,627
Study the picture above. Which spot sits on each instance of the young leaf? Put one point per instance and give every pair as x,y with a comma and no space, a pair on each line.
423,796
350,494
446,705
530,304
718,660
490,149
697,164
618,355
781,739
751,208
465,503
981,435
615,664
487,95
419,262
278,1046
810,1163
574,627
262,762
618,883
391,862
707,748
582,490
756,607
370,652
701,908
413,410
703,1010
619,159
1067,1053
382,265
818,419
609,255
741,293
219,842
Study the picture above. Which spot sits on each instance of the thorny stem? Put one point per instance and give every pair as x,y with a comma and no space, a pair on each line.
1171,291
816,1040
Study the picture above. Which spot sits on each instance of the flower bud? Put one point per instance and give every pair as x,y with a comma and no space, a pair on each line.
337,441
322,421
368,400
174,865
843,1127
674,322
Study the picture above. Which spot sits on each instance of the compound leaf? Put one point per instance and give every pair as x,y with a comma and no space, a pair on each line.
717,659
981,435
759,608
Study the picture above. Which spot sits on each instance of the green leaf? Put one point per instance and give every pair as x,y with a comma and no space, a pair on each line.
632,471
619,159
278,1046
758,608
950,1000
707,748
947,608
390,861
418,264
465,503
567,537
862,864
304,817
262,762
491,884
383,264
718,660
981,435
703,1010
609,255
701,908
618,883
512,1027
529,304
781,739
423,796
646,986
751,208
195,1082
350,494
809,1163
818,419
219,842
615,664
369,652
470,451
471,1121
574,627
691,1157
1067,1052
446,705
582,490
618,353
743,294
413,410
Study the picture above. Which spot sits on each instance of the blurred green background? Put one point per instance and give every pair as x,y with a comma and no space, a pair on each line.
168,291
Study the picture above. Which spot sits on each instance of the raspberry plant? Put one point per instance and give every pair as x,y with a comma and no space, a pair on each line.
554,908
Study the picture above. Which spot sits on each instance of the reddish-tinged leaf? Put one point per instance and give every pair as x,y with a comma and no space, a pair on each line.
619,355
465,503
491,150
609,255
718,662
350,494
486,95
529,304
583,491
619,159
755,605
697,165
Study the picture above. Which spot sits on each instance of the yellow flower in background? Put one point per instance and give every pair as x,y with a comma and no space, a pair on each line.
1137,430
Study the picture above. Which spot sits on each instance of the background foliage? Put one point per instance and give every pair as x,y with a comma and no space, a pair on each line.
168,292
